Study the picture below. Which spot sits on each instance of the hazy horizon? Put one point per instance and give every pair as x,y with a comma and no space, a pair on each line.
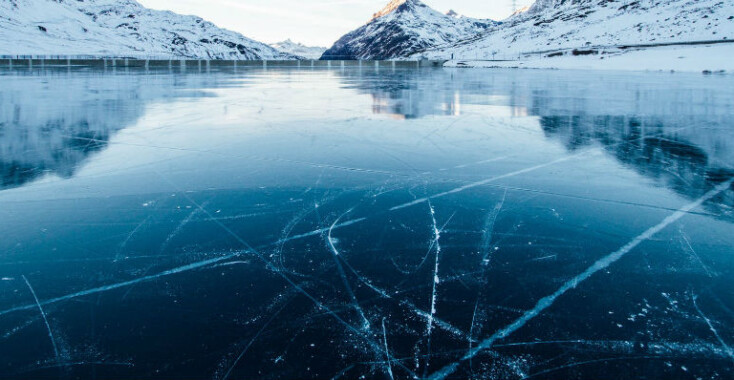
316,22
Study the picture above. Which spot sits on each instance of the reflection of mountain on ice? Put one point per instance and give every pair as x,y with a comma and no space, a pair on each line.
690,161
409,94
52,126
681,141
684,139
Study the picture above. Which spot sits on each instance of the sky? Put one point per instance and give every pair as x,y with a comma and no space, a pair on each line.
312,22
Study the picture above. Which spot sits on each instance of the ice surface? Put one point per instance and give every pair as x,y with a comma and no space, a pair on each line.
361,223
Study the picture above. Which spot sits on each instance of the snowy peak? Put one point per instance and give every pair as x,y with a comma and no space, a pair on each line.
522,10
402,28
398,6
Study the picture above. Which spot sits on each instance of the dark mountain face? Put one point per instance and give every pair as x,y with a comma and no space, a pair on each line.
402,28
392,40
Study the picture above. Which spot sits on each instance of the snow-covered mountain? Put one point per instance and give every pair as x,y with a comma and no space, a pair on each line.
117,28
299,49
402,28
583,24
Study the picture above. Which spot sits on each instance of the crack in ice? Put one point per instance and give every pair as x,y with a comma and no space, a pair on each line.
725,346
487,181
387,351
252,341
45,320
181,226
598,266
106,288
347,286
489,229
436,280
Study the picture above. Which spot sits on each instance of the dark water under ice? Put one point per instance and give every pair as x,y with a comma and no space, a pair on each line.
353,224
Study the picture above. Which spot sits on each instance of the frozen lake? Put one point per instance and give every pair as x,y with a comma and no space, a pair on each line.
346,224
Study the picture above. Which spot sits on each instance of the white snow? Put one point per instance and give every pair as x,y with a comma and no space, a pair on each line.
117,28
714,58
555,27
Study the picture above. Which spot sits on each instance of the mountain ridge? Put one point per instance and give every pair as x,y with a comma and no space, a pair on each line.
552,25
401,28
118,28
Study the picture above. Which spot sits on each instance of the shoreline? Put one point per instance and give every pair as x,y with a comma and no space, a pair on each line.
707,59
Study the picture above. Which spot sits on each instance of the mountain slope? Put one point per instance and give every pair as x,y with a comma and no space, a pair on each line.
583,24
298,49
117,28
401,28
